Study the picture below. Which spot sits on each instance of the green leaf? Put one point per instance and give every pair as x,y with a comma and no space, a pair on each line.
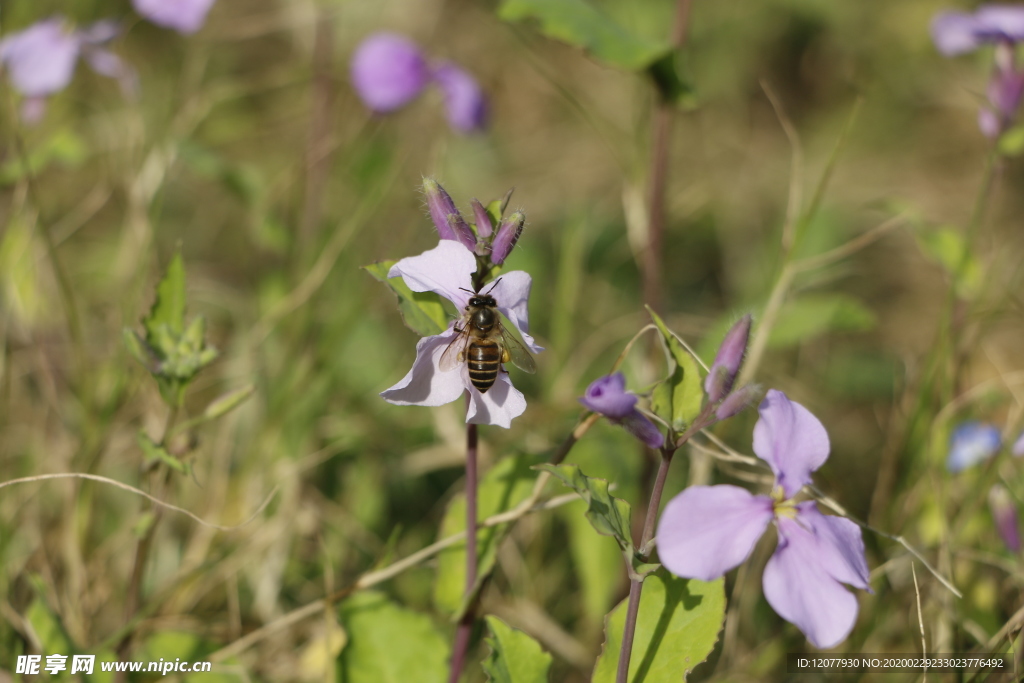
65,147
48,629
515,657
225,403
169,307
156,453
506,485
946,247
676,629
679,397
389,644
816,314
597,562
422,312
608,515
581,25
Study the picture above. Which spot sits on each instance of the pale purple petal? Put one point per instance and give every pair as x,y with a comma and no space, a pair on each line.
463,99
790,439
498,406
840,545
803,592
707,530
638,424
955,33
512,292
1004,512
1018,446
425,384
988,123
41,59
608,396
99,32
1000,22
388,71
106,63
183,16
971,443
443,270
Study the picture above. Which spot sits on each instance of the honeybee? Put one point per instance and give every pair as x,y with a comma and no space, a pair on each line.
484,344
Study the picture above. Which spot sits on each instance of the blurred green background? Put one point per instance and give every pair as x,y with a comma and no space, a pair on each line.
248,147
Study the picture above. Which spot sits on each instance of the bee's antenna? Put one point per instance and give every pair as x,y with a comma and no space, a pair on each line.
494,285
467,290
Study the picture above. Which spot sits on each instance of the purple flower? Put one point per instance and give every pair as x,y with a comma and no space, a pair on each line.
1002,25
971,443
727,362
447,270
463,99
184,16
608,396
1004,512
707,530
41,59
389,71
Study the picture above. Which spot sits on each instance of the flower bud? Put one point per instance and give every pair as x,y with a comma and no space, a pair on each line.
508,234
1004,512
737,401
447,219
484,228
728,360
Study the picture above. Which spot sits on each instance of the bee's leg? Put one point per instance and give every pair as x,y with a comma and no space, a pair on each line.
505,355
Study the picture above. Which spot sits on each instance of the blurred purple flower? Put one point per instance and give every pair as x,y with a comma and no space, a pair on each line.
970,443
184,16
463,99
1004,512
608,396
389,71
1002,25
707,530
447,270
41,59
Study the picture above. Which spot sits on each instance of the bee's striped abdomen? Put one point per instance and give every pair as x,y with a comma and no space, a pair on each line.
484,360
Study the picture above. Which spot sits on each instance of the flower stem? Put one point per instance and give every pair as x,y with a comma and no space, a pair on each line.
636,585
465,627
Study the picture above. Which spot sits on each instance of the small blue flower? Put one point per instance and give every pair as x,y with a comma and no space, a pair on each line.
972,442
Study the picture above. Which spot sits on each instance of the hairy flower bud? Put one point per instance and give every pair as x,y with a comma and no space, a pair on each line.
447,219
737,401
508,234
728,361
484,228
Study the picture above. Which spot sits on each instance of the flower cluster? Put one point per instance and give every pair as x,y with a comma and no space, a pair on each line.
455,269
389,71
1000,25
707,530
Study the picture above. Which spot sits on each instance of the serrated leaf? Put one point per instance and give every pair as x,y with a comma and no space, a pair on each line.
169,307
946,247
422,312
506,485
679,397
156,452
608,515
676,629
225,403
582,25
515,657
389,644
816,314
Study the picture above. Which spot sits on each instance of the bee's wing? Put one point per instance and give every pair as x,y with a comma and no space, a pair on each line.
456,351
517,353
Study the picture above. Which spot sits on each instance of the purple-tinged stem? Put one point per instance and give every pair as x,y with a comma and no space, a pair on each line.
636,585
465,627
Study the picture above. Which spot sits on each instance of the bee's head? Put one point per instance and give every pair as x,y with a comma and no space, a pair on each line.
481,300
